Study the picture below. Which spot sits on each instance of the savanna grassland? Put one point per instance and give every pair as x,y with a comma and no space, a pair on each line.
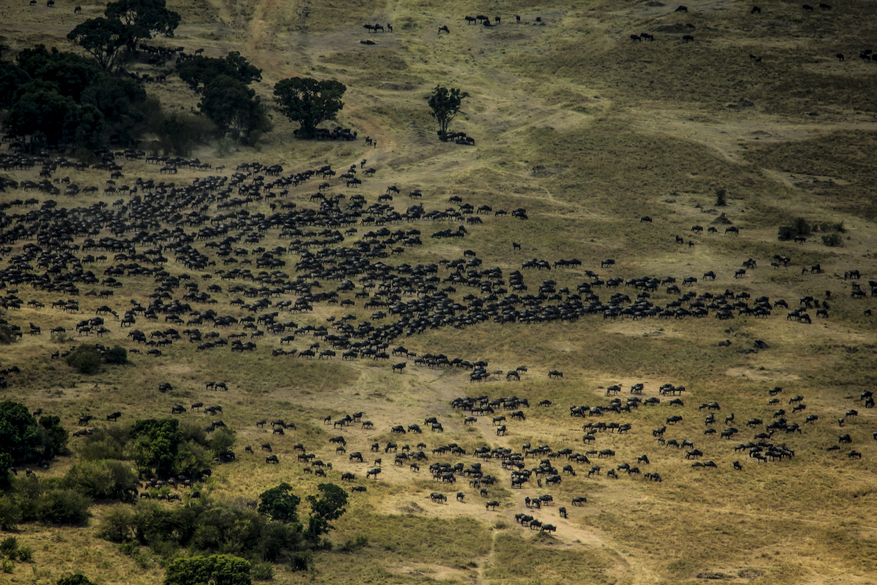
588,131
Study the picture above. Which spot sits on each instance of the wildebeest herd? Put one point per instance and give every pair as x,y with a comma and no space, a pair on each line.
346,255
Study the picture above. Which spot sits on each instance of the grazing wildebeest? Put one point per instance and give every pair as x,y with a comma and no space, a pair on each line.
444,28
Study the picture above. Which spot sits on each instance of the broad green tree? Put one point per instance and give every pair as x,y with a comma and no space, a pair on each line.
70,73
19,434
233,106
279,503
105,39
325,508
144,17
200,71
156,444
309,101
109,39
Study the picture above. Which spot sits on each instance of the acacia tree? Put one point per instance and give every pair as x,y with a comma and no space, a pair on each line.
199,72
309,101
144,17
104,39
445,105
108,39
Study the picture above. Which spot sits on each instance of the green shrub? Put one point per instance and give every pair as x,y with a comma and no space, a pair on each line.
53,436
5,477
179,133
222,441
279,503
85,359
301,560
9,547
25,554
19,436
7,335
832,240
721,197
42,501
218,569
108,443
796,227
262,572
103,480
10,515
63,507
117,355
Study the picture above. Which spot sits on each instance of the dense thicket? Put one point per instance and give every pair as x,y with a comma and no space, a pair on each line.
161,448
58,98
202,525
24,439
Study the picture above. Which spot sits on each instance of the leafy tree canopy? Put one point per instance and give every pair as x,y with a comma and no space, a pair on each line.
309,101
52,436
21,437
71,73
279,503
445,105
156,444
325,508
19,434
104,39
39,109
121,102
233,106
11,78
144,17
110,38
199,72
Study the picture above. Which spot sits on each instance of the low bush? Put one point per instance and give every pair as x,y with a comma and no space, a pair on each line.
45,502
117,355
833,240
85,359
262,572
103,480
10,515
796,227
13,551
219,569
